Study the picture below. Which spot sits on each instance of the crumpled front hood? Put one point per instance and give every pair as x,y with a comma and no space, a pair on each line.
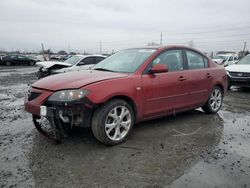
75,80
238,68
48,64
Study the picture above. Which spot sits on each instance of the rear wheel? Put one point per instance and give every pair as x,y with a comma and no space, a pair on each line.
112,122
214,102
31,63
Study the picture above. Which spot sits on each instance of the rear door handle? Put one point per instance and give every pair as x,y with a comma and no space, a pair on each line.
208,75
181,78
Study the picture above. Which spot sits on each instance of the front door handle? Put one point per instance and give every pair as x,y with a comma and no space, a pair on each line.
208,75
181,78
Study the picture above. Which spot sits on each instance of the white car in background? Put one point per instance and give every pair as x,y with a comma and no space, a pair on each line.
74,63
239,74
225,59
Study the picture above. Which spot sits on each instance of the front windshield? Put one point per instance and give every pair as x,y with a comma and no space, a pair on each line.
125,61
73,60
245,60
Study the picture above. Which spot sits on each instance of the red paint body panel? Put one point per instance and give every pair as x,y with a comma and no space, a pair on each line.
75,80
153,95
34,106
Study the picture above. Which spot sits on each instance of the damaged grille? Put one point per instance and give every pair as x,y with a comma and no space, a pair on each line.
239,74
33,95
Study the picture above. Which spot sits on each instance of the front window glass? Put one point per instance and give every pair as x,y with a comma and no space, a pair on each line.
231,58
171,58
87,61
73,60
21,57
245,60
125,61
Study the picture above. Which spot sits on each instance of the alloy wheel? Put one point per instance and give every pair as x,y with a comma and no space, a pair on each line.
215,99
118,123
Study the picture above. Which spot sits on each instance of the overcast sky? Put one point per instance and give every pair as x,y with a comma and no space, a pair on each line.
79,25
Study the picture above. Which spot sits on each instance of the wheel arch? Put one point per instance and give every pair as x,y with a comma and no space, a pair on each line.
221,87
128,100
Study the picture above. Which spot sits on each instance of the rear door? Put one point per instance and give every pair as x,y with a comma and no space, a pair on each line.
165,92
200,77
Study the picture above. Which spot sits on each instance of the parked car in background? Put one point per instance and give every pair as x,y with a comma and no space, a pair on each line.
75,62
128,87
17,60
239,74
59,57
225,59
85,64
36,58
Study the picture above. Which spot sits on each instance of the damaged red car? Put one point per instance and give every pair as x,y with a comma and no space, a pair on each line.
128,87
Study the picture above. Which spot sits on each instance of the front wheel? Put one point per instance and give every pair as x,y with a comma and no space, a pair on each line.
8,63
214,102
112,122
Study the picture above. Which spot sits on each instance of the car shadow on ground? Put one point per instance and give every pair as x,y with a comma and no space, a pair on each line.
157,151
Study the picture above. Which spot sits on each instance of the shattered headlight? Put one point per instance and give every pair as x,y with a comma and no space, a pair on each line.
68,95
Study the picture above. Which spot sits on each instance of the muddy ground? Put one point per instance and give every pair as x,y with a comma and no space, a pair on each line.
190,150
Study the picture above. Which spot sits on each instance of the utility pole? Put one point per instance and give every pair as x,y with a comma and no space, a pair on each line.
69,47
42,48
43,52
245,43
100,47
161,39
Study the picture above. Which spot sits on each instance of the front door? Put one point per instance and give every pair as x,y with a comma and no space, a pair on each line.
165,92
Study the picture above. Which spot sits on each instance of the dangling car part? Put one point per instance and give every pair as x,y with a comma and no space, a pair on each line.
48,128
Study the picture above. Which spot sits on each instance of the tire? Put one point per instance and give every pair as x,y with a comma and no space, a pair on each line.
31,63
214,102
8,63
107,122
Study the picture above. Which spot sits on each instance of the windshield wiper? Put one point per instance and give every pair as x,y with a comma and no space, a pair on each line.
102,69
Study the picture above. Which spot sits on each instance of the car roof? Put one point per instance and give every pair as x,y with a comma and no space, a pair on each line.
165,47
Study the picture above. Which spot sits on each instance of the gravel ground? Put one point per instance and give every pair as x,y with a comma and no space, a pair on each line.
190,150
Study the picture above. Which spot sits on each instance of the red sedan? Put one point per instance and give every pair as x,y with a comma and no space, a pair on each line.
128,87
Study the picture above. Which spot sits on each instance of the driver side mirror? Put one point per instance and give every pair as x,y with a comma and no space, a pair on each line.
159,68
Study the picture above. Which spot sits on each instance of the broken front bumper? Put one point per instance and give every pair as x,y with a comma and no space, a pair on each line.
62,116
76,113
